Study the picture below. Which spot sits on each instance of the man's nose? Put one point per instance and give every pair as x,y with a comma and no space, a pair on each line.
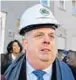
46,40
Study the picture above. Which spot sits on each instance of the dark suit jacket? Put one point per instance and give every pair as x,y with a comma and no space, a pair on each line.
73,68
5,62
54,74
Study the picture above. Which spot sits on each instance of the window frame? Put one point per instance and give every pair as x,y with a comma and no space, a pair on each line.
62,6
73,8
2,31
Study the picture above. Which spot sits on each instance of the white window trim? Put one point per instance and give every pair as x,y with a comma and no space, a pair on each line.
61,43
2,31
48,3
73,43
74,7
63,4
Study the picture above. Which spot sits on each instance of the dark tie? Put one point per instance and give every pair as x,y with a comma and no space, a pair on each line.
39,74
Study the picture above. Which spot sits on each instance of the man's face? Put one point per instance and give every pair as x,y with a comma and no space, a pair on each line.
71,59
40,45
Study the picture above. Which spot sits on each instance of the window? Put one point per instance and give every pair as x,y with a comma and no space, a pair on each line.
73,7
61,43
2,30
45,3
62,4
73,43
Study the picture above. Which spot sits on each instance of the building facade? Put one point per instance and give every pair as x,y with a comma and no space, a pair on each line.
12,10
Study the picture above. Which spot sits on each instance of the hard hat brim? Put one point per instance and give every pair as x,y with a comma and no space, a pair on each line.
32,27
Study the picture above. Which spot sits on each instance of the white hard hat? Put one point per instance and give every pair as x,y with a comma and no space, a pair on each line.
36,15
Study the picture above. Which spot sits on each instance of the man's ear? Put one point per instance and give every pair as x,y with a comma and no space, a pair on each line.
24,43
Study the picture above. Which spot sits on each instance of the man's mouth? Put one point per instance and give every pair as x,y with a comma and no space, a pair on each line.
45,49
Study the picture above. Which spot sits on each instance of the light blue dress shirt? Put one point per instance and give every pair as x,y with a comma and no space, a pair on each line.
31,76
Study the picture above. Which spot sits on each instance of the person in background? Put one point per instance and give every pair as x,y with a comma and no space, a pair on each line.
39,62
14,49
65,58
71,61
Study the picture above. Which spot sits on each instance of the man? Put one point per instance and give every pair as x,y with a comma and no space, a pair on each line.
71,58
71,61
38,26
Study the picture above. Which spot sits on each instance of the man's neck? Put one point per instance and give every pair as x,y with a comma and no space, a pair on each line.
40,66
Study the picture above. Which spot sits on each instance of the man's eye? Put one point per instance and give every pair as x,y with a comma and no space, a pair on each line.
39,35
51,36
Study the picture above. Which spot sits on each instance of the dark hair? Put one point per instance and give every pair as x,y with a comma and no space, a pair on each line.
72,52
9,47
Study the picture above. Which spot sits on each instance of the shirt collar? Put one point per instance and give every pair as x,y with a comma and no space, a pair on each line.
48,70
13,57
29,69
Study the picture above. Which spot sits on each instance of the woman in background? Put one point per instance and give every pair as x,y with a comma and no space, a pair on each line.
14,49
